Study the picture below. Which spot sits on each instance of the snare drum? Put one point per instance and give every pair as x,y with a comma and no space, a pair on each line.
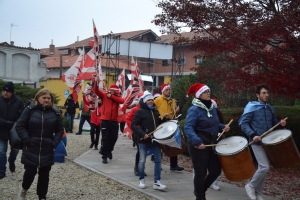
281,149
170,138
235,158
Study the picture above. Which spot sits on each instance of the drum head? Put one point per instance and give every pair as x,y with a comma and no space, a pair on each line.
165,130
277,136
234,144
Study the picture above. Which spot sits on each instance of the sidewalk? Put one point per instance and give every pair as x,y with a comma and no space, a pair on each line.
179,184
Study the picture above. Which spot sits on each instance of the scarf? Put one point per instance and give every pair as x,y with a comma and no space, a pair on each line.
198,103
251,107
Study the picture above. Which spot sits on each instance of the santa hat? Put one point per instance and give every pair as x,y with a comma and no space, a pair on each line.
156,95
163,87
197,89
215,102
114,87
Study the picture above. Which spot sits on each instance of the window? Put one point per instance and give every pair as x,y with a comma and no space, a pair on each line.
181,61
165,62
198,60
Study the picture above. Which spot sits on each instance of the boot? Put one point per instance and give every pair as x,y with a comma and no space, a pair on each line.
22,194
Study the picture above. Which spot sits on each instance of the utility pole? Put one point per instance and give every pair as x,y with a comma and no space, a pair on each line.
12,25
60,65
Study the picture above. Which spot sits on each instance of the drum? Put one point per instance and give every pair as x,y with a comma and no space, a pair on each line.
170,138
281,149
235,158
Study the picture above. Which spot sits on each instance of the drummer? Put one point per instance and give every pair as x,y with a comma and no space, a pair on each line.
168,107
201,128
258,117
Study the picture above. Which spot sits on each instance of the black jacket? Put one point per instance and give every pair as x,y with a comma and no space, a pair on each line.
71,106
143,122
10,110
40,130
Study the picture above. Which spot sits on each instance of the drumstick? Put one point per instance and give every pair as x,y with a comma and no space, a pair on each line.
268,131
211,145
224,130
152,132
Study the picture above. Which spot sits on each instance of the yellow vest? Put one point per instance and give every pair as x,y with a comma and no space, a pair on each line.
164,105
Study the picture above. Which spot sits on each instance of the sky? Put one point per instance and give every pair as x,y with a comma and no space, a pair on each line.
40,21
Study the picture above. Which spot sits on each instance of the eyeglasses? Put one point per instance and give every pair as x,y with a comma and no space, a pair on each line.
206,91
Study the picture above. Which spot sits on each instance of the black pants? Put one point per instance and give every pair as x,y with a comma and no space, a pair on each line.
207,168
83,118
95,130
109,130
122,125
173,161
43,179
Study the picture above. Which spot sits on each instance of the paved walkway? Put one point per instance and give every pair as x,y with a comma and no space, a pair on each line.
179,184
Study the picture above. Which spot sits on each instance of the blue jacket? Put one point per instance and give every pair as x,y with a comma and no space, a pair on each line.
257,122
201,129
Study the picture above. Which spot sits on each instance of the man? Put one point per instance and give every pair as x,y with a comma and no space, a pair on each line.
71,106
111,100
168,107
11,108
145,121
85,115
258,117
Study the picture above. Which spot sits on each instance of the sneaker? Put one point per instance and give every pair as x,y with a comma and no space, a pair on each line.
159,186
176,168
78,133
2,175
22,194
215,187
12,166
91,146
104,160
250,192
142,184
259,197
110,155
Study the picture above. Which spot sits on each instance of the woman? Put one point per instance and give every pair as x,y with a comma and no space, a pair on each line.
40,129
201,127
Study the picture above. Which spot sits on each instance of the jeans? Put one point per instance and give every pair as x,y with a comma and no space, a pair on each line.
207,168
157,160
3,159
83,118
70,121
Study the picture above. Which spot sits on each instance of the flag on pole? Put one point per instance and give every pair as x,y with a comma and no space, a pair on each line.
136,75
121,81
88,70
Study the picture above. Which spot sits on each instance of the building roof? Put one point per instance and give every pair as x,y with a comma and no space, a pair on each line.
170,38
5,44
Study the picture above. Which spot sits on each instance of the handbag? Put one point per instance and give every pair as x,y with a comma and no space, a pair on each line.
15,141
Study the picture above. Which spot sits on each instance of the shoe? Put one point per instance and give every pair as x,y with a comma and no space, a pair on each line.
136,172
215,187
91,146
177,168
250,192
259,197
12,166
124,135
2,175
110,155
95,148
71,131
22,194
104,160
159,186
78,133
142,184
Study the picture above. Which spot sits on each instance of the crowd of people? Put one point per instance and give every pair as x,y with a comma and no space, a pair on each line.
40,129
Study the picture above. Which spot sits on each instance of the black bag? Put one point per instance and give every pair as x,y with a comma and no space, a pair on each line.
15,141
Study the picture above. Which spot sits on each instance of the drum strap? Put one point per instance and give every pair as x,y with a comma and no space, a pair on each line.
153,120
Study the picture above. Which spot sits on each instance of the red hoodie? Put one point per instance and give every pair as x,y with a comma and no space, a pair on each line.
95,113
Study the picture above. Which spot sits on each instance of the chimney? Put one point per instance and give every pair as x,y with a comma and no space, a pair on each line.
52,48
77,38
12,43
29,44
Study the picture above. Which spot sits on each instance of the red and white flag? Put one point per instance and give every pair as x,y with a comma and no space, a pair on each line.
121,81
136,75
101,84
87,72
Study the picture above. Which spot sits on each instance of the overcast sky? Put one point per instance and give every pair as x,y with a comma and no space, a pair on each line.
39,21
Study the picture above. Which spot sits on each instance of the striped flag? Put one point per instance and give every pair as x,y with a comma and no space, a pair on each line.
121,81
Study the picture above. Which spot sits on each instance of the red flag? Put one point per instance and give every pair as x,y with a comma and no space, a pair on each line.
88,71
121,81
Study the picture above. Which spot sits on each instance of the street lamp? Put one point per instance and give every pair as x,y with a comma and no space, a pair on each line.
10,31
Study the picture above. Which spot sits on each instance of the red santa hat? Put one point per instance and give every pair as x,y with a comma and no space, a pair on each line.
164,86
215,102
114,87
197,89
156,95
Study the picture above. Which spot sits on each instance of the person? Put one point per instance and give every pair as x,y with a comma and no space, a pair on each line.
40,130
71,106
201,128
128,121
11,108
111,100
258,117
95,121
85,115
167,106
145,121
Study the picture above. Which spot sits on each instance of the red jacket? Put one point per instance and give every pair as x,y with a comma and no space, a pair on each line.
110,106
130,115
95,113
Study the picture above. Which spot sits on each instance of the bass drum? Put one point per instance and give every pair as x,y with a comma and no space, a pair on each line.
235,158
281,149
